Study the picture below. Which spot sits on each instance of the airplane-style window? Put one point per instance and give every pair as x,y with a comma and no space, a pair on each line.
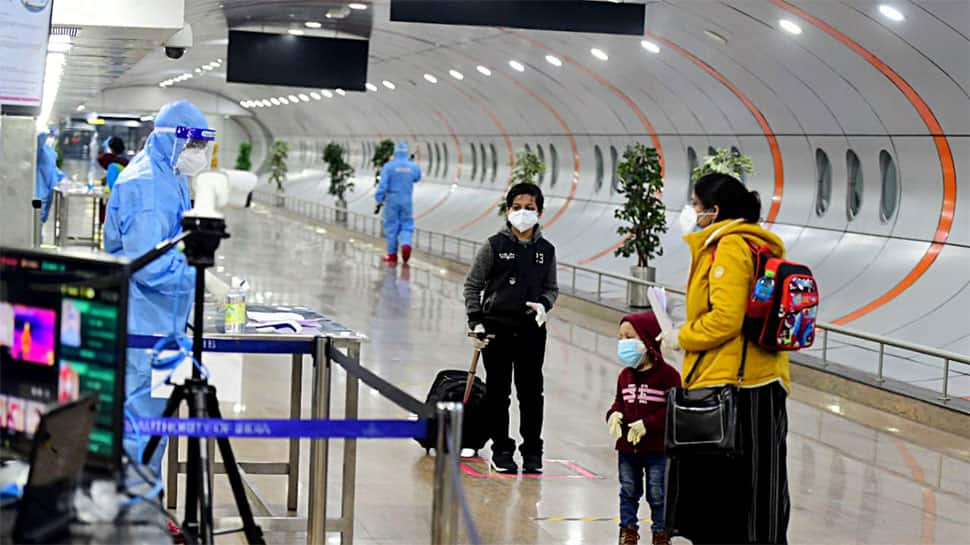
854,178
553,166
444,148
691,165
613,162
474,161
437,159
542,159
481,152
427,146
494,162
890,186
823,182
599,168
711,150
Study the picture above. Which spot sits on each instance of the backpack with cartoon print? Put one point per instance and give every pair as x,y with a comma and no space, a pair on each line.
782,304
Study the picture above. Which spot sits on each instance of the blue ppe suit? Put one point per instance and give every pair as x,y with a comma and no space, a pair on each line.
145,208
395,190
47,176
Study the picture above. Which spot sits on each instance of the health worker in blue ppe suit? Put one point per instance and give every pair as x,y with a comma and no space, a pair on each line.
146,207
394,193
47,176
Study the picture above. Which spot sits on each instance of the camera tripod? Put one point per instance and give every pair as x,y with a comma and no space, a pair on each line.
202,236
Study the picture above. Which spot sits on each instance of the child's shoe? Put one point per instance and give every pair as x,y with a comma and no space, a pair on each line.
503,462
629,536
532,463
661,538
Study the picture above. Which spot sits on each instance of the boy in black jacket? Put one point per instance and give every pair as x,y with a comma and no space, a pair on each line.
509,290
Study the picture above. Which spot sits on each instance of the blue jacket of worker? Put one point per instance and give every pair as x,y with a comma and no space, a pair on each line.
395,191
47,175
145,208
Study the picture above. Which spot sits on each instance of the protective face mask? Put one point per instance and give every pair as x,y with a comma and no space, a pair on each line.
191,162
523,220
630,351
688,219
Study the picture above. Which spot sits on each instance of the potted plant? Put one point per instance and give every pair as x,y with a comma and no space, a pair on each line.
644,216
244,158
528,169
726,161
382,154
340,173
277,167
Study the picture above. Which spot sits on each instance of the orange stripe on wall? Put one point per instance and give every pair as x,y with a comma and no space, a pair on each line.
602,253
948,207
758,116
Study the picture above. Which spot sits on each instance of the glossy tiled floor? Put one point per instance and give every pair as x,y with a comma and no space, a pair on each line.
857,476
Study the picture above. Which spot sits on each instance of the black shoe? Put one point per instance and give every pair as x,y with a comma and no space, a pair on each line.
532,463
502,462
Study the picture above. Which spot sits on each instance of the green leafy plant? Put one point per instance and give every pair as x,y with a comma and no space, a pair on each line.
382,154
528,169
725,161
643,214
244,158
340,171
277,163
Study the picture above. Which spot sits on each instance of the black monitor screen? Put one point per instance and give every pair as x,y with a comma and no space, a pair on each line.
62,334
297,61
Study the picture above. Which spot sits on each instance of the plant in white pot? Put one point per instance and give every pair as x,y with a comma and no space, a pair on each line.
643,216
528,169
382,154
277,167
725,161
340,173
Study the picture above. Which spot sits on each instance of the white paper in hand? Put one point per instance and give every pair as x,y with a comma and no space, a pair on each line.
658,303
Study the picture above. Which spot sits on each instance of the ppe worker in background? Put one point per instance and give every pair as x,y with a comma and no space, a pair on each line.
114,153
394,193
145,208
511,286
47,176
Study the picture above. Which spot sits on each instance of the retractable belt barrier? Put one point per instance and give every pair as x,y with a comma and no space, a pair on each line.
307,428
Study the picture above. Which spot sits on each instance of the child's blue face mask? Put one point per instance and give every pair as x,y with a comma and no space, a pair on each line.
630,351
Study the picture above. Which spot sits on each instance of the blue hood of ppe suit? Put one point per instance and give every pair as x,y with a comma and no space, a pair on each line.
146,207
401,151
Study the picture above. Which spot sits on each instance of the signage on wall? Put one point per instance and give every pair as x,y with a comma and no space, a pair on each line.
23,50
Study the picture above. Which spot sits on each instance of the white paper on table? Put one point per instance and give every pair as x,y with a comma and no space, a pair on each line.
273,316
658,303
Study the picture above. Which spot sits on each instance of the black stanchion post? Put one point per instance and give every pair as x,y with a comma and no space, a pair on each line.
444,507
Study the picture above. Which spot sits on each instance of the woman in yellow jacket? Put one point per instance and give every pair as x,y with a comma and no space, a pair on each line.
742,499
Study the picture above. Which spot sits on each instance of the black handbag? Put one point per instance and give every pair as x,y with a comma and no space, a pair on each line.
704,421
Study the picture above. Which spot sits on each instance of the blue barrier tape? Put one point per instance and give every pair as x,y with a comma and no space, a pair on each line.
236,346
280,428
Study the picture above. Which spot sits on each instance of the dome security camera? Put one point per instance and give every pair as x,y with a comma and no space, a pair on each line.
179,43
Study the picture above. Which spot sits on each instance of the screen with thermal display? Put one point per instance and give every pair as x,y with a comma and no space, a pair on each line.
62,335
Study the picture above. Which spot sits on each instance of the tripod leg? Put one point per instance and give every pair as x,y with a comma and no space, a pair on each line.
171,409
199,485
254,534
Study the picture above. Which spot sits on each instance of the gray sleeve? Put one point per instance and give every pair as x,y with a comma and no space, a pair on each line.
550,287
475,283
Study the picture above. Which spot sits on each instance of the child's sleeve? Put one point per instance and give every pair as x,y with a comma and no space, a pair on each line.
617,401
550,285
475,284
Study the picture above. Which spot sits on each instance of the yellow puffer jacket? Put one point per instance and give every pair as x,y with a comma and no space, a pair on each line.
717,297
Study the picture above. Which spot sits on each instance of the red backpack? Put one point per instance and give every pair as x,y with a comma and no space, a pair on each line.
782,305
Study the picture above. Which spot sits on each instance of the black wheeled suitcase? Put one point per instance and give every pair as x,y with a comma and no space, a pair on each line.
449,385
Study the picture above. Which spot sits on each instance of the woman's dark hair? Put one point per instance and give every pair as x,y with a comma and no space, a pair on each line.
116,145
525,189
730,196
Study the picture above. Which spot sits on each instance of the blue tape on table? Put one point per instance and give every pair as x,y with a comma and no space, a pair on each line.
236,346
281,428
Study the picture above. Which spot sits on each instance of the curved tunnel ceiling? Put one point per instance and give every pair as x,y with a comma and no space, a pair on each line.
718,74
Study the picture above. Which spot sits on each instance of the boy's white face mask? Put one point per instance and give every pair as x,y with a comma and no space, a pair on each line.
523,219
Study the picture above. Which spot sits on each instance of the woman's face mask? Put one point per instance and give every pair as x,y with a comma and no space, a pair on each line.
523,219
192,161
630,351
689,218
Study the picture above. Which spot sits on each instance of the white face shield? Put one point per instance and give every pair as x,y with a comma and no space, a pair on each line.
192,152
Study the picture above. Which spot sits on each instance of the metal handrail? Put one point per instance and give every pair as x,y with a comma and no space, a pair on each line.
425,240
